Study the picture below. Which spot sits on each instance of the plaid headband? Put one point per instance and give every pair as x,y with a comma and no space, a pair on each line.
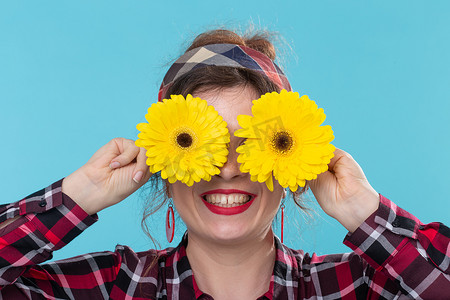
225,55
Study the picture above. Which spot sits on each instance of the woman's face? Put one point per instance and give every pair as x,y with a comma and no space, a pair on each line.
199,206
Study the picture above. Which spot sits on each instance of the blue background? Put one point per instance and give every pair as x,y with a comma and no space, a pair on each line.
74,74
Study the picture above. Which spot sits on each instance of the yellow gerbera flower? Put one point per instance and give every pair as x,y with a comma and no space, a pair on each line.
185,139
284,139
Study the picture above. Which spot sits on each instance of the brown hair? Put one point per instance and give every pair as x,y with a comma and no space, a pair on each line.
215,77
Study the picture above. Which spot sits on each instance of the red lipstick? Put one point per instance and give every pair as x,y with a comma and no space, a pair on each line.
228,210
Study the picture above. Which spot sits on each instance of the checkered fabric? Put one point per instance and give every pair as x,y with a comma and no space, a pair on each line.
395,257
225,55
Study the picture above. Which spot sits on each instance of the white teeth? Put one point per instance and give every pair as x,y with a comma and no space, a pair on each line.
215,199
230,200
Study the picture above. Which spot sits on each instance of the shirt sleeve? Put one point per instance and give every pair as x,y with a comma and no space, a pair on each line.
413,254
48,221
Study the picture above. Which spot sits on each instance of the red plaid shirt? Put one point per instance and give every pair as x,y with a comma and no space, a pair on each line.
394,255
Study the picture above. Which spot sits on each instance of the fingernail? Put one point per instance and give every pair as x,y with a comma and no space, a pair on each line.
138,176
114,165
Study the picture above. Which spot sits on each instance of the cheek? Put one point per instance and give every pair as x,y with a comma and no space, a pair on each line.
274,206
182,196
177,189
272,199
275,200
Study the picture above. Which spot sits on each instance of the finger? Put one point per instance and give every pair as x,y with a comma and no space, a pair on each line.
128,150
338,154
328,176
344,165
141,171
322,179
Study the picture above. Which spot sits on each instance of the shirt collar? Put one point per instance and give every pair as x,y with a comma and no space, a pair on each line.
281,282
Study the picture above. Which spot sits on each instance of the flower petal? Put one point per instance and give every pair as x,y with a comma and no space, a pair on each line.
300,117
192,163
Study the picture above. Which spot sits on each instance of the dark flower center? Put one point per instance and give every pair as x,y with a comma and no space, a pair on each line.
184,140
282,141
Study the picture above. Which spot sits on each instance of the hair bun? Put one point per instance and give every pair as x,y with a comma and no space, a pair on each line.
261,43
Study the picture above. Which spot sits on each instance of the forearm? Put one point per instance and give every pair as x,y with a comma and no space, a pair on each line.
36,226
396,243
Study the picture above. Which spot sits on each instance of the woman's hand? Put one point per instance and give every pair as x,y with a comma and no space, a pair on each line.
344,193
113,173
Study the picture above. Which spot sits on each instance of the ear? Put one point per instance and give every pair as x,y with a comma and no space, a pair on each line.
284,194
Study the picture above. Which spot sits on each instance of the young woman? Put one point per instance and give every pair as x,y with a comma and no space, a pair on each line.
229,250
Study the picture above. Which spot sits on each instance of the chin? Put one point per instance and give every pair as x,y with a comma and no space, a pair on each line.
228,233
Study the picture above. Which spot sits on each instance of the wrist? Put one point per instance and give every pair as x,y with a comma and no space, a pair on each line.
79,188
356,211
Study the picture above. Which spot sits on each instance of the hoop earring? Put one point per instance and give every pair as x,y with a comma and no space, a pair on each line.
282,220
170,230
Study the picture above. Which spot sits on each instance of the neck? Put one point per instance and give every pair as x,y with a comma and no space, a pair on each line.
241,270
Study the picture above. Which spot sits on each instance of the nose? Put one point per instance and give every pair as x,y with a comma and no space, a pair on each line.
230,169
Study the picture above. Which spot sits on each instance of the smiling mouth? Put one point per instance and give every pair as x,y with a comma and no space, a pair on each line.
227,200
